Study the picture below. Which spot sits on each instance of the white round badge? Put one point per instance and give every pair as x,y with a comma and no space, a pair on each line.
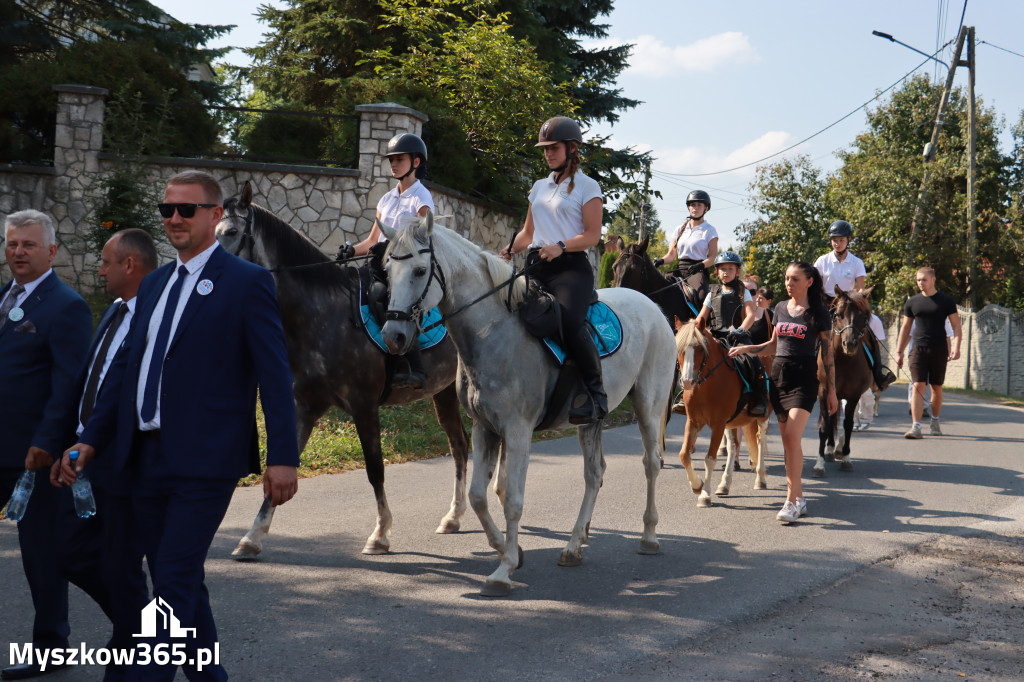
204,287
16,314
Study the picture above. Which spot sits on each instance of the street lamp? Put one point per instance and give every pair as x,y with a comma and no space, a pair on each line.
909,47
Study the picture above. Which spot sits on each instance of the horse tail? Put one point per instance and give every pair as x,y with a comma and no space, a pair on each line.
666,414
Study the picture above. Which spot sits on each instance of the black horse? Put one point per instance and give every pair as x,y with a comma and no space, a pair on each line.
333,360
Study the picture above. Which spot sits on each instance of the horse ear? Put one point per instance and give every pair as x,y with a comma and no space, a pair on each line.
644,243
425,227
246,197
867,292
701,324
388,232
839,292
679,323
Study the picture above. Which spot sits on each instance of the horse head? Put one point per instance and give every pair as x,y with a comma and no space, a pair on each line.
690,336
633,268
412,272
851,314
235,230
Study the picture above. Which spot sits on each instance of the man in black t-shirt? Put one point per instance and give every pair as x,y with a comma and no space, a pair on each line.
928,312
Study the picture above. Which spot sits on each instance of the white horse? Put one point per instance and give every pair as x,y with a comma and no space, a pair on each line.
504,377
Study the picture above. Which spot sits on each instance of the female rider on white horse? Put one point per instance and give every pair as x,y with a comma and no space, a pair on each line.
563,221
408,157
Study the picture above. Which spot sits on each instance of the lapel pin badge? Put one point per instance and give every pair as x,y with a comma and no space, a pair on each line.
16,314
204,287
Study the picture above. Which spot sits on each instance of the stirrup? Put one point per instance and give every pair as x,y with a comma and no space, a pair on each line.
758,407
679,407
587,412
409,380
887,378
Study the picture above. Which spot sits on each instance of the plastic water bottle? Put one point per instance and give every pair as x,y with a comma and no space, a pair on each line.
19,498
81,490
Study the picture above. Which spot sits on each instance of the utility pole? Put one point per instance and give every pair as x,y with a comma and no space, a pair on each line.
929,149
644,202
972,196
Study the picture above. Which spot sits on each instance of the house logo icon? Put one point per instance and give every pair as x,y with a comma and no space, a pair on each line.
158,611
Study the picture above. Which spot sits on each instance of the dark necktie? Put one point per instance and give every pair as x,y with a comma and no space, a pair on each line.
93,384
9,302
156,363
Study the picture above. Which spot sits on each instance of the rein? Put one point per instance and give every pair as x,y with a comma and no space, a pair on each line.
435,273
479,298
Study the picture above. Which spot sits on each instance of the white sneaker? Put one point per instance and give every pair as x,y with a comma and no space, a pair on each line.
801,505
934,430
865,426
789,513
914,433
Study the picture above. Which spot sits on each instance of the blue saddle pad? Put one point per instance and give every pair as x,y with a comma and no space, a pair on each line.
607,332
427,340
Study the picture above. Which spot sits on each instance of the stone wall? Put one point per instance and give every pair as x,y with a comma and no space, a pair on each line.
328,205
991,352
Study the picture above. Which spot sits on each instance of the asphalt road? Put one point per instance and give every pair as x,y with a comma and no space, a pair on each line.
894,561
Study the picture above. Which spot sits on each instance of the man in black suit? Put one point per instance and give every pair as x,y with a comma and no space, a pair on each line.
181,409
44,335
102,554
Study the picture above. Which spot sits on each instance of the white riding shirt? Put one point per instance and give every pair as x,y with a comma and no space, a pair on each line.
842,273
558,213
694,242
396,205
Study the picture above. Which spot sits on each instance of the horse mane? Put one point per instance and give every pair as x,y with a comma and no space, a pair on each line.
294,249
859,300
689,335
498,269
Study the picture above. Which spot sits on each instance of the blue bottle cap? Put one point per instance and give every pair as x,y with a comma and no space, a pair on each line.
73,455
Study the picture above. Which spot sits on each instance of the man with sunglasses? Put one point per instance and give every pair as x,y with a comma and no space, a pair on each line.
180,413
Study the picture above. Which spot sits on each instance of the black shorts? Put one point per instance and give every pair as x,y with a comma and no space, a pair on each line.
928,365
794,384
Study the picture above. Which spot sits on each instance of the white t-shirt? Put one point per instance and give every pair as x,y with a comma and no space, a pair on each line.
394,206
875,324
557,213
693,242
844,274
746,298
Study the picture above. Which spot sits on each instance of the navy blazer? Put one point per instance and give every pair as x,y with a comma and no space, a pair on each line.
100,470
227,344
40,356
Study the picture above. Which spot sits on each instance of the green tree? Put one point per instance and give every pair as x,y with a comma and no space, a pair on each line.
791,200
625,220
1011,224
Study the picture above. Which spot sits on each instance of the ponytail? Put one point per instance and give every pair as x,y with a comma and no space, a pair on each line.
574,164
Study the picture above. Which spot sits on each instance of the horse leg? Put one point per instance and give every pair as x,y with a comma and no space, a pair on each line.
823,437
367,420
756,433
510,554
652,434
251,543
851,409
501,476
686,454
717,432
486,445
446,407
731,443
593,476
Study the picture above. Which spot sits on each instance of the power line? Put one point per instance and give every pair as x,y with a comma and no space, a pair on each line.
811,137
985,42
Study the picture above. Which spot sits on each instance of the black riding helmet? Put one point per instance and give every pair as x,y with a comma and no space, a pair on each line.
559,129
408,143
840,228
699,195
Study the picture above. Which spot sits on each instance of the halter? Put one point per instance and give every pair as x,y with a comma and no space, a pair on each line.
857,332
718,364
415,312
247,239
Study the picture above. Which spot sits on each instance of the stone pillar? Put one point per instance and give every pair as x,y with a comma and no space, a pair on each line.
378,123
78,140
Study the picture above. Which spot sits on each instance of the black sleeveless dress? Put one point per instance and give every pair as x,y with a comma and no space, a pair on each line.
795,370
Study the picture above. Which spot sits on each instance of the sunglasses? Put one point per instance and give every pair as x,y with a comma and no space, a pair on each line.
184,210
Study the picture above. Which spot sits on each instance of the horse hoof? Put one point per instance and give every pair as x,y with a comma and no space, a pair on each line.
722,491
376,548
703,503
246,550
649,548
818,473
520,562
570,559
495,589
846,465
760,485
447,528
829,457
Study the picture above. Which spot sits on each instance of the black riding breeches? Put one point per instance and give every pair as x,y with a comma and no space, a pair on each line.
377,261
570,279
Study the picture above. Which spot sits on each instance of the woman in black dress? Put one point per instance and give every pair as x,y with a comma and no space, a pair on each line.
800,324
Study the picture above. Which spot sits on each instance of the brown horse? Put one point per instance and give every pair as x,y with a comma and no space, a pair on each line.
712,393
850,316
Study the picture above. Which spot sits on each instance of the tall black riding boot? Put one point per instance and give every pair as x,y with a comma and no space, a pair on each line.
759,405
883,376
590,405
415,377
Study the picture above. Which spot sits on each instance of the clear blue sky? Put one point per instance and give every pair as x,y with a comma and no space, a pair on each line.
726,83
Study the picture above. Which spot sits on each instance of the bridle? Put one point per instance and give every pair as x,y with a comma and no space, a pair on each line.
415,312
858,331
714,368
247,240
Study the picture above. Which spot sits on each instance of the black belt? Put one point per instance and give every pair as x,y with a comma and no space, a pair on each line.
155,434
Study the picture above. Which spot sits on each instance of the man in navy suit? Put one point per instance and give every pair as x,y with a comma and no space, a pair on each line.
207,334
102,554
44,334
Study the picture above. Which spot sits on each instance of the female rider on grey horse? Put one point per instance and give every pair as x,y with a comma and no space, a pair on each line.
695,245
563,221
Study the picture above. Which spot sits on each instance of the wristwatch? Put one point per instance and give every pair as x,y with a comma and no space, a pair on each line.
562,244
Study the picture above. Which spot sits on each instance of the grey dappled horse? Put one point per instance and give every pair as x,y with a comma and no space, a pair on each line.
333,360
504,376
